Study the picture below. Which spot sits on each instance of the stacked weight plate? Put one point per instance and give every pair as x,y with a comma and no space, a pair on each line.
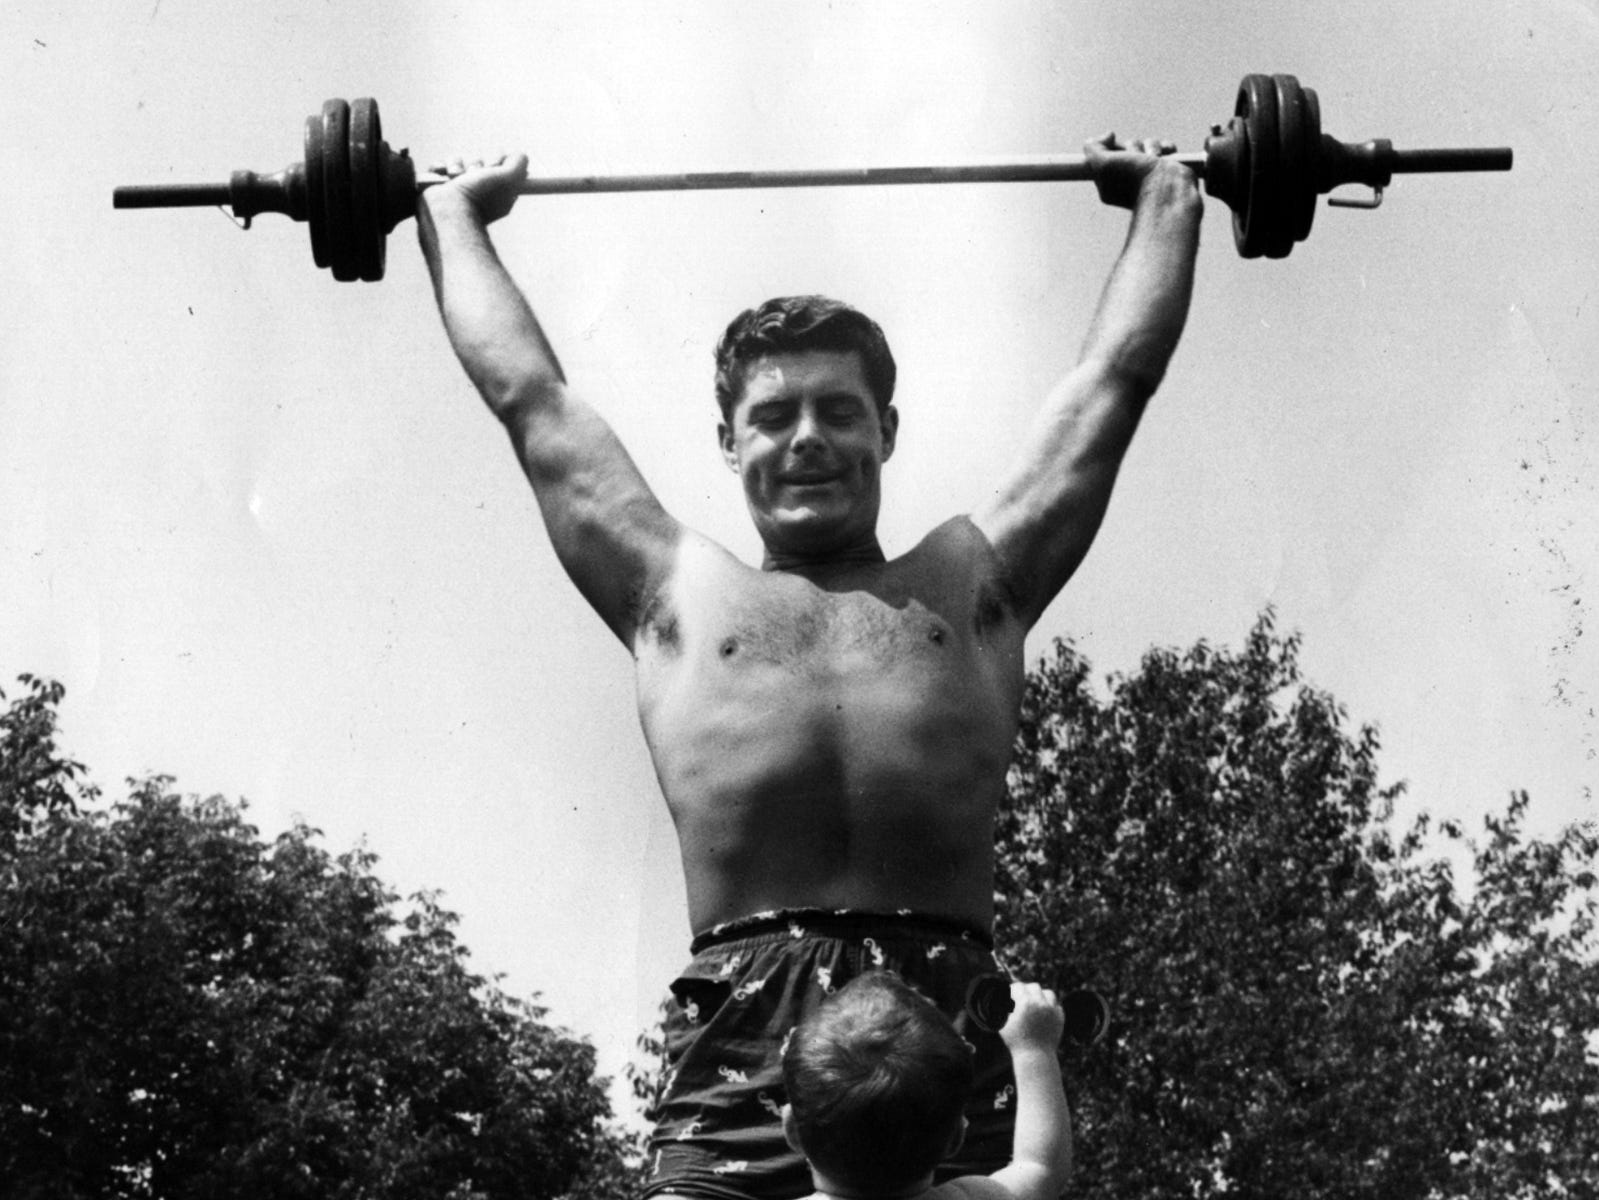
349,173
1266,166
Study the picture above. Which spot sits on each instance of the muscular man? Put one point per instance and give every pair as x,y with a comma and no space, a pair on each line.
831,731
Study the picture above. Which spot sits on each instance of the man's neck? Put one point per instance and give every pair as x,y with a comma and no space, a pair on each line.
865,552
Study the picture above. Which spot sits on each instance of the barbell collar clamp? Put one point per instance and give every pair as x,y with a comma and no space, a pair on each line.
1373,201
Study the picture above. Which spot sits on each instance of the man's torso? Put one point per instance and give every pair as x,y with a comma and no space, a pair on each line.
839,740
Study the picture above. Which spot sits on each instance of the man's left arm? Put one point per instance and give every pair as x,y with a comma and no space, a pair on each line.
1045,512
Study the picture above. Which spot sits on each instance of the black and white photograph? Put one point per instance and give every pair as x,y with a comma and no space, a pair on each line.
974,598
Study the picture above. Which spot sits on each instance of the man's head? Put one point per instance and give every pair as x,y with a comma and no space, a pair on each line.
805,386
877,1079
791,325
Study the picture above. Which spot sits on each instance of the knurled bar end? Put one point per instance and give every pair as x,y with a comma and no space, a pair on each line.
170,195
1471,158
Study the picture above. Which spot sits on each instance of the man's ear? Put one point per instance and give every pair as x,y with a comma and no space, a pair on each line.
791,1129
890,424
724,439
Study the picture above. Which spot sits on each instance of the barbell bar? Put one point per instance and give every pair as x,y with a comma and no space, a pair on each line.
1267,164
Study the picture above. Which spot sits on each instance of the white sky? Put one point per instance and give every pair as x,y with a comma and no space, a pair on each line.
259,526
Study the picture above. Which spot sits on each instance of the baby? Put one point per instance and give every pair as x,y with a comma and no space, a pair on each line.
877,1079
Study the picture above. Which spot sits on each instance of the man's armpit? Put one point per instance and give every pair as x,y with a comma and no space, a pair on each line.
654,616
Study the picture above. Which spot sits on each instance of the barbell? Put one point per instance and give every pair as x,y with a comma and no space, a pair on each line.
1267,164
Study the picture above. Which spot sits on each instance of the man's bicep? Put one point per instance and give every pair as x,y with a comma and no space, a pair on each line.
609,531
1041,521
1043,515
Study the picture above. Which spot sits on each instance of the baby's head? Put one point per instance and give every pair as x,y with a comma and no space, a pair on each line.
877,1079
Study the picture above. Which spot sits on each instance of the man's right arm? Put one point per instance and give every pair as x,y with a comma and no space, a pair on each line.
608,529
1041,1154
1045,512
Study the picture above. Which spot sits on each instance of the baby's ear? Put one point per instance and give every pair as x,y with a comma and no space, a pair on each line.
956,1139
791,1129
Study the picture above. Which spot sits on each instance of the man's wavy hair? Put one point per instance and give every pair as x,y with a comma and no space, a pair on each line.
791,324
877,1078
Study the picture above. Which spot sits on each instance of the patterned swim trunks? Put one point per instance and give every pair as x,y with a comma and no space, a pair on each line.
719,1135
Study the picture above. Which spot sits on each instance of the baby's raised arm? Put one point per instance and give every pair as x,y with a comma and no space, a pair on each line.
1041,1155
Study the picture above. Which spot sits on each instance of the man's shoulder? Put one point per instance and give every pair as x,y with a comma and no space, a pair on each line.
696,554
959,536
955,548
957,557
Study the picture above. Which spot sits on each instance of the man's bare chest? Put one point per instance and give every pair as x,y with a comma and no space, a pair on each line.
759,619
828,632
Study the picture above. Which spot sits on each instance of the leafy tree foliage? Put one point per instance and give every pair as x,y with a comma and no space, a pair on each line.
35,780
187,1011
1305,1004
646,1074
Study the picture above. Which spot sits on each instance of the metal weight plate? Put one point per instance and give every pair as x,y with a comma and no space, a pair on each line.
1307,216
1242,199
988,1002
1087,1016
336,189
313,190
1293,178
1254,223
366,182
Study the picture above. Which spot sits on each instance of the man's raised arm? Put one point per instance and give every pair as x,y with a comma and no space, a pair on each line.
609,531
1045,513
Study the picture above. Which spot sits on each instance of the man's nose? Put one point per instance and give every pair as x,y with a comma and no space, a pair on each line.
807,429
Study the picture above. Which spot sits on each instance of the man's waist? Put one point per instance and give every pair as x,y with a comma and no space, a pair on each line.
838,923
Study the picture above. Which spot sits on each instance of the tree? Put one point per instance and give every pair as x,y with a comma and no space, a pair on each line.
188,1011
1305,1005
35,780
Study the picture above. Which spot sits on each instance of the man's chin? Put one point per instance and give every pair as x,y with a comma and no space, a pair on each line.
805,531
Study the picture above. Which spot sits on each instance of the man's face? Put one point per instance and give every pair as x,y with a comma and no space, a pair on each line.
809,444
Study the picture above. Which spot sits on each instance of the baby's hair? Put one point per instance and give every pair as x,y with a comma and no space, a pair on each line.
878,1079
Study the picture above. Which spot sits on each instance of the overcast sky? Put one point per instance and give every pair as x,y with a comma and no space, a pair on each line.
258,524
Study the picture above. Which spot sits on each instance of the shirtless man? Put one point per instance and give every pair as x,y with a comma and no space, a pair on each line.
832,731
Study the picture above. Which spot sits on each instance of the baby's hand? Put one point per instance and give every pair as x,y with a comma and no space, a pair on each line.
1036,1021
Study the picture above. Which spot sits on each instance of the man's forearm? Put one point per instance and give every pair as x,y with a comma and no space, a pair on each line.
489,322
1145,302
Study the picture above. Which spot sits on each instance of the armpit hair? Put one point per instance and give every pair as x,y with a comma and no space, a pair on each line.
654,616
